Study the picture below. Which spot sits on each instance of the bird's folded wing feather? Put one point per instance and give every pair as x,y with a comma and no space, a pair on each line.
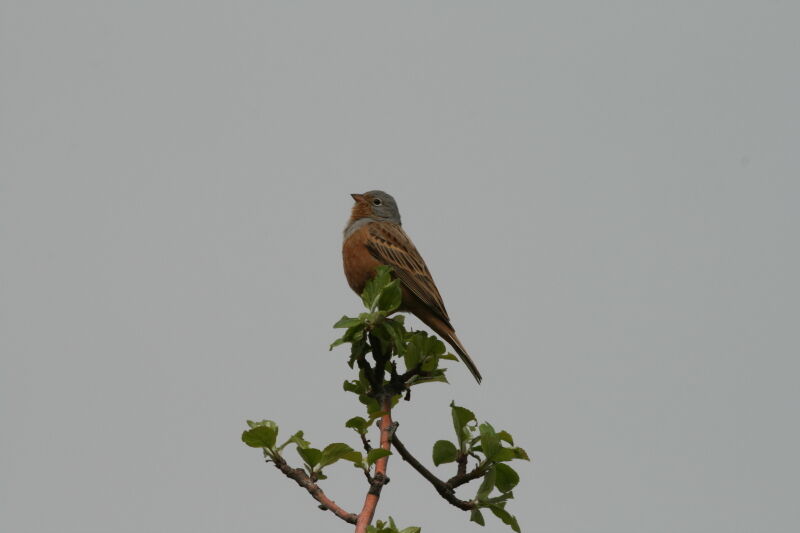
390,245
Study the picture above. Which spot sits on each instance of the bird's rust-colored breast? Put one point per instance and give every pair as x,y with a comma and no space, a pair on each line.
359,263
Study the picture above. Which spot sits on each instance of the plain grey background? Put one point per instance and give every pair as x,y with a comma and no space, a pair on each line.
606,193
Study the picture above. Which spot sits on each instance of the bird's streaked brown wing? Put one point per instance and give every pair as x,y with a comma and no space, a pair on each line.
390,245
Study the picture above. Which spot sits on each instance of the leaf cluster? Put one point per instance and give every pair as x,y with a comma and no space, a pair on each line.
390,527
409,357
264,435
492,450
390,360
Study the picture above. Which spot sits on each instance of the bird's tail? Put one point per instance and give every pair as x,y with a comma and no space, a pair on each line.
449,335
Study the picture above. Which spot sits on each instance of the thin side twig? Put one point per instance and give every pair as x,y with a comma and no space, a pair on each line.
462,464
462,478
445,489
302,479
365,443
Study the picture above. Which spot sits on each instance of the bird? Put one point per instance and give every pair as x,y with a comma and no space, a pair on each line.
373,237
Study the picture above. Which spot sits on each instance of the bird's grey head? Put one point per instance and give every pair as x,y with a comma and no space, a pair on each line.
377,205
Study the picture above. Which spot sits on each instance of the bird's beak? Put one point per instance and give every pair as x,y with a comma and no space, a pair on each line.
358,197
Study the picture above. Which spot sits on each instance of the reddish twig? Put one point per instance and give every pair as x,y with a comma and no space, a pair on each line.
302,479
379,479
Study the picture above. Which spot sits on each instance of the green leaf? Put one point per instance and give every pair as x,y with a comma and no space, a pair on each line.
390,297
358,423
265,423
437,376
355,386
503,455
334,452
298,439
373,288
354,457
310,455
358,349
444,451
260,437
500,512
506,436
502,498
397,333
490,442
487,485
390,527
372,405
507,454
507,477
434,346
412,355
519,453
423,348
461,417
378,328
448,356
335,343
354,333
476,516
429,363
347,322
375,454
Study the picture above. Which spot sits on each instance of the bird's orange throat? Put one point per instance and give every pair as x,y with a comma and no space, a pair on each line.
360,210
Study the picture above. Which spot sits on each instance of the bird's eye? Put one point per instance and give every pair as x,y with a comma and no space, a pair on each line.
376,201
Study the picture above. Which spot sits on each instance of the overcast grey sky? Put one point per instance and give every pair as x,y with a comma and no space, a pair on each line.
605,192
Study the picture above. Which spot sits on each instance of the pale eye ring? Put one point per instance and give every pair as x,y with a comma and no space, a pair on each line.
376,201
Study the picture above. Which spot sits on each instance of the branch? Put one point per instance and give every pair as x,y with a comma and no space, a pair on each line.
462,464
379,479
316,492
365,442
445,489
462,478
